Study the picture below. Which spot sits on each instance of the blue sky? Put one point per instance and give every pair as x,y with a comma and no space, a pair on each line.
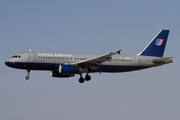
89,26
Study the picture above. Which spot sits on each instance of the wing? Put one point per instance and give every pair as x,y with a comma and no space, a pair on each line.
96,60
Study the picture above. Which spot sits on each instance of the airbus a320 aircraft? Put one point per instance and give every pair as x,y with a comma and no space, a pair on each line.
68,64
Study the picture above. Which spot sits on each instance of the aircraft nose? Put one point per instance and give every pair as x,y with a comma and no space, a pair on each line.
7,63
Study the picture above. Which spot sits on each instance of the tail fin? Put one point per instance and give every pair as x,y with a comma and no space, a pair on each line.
157,45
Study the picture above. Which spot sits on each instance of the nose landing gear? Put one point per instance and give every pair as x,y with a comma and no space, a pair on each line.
27,77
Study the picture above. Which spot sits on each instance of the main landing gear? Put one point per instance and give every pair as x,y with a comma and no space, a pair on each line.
87,78
27,77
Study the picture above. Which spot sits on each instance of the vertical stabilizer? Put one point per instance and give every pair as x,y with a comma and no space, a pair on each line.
157,46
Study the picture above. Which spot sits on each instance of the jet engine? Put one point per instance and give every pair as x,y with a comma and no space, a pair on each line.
57,74
70,69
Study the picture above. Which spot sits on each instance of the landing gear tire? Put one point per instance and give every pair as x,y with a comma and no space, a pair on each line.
27,77
81,80
88,78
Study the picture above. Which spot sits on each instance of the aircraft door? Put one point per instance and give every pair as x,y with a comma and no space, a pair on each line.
138,60
29,57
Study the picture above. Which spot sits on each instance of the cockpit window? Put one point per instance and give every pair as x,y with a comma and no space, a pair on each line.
16,56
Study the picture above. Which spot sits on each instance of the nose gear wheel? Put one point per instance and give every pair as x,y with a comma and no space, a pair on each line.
27,77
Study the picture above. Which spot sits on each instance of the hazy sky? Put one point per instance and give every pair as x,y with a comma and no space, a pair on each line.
89,26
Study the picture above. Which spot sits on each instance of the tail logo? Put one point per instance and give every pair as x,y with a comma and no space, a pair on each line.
159,42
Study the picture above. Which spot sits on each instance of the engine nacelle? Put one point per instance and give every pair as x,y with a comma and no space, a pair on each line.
57,74
69,69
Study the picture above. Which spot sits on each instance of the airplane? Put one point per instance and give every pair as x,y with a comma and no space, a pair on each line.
64,65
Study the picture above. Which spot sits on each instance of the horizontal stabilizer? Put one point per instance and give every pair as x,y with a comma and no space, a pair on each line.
162,59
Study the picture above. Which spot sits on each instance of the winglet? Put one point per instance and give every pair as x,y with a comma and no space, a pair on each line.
119,52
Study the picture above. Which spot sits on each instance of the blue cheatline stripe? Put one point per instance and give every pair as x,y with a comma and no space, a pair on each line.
67,68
